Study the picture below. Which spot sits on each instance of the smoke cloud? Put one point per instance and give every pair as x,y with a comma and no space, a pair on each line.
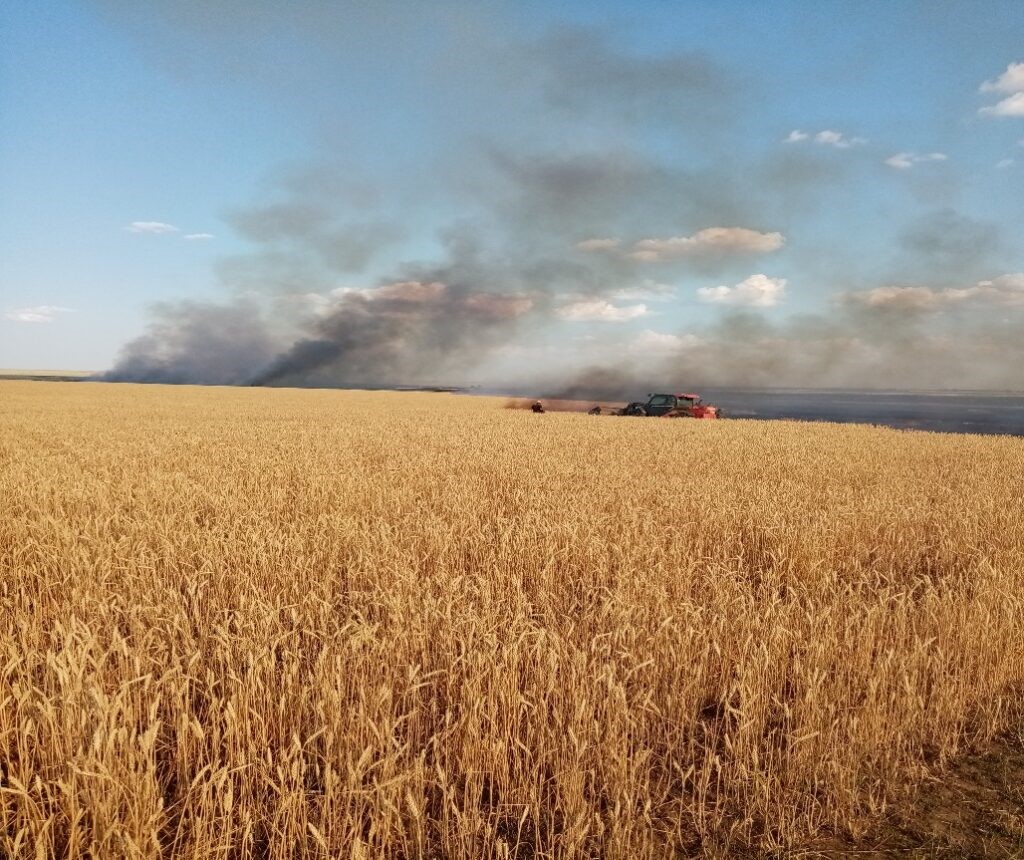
547,210
199,343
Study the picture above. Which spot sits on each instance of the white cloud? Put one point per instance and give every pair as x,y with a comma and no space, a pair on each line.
156,228
1011,281
1011,84
906,160
194,236
1010,106
37,314
599,310
710,239
1006,162
757,291
826,137
1010,81
837,139
1005,290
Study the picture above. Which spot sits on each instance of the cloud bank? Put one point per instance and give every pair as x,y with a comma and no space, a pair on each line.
710,240
757,291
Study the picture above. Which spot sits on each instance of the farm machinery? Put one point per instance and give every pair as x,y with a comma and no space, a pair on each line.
668,406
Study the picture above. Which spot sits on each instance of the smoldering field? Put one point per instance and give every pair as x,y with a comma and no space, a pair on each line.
280,623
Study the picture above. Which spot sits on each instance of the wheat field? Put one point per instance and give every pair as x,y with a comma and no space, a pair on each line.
275,623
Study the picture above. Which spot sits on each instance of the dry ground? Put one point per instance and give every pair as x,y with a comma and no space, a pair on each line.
272,623
973,808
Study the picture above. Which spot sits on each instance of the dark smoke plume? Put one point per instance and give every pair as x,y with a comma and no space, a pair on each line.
554,195
389,334
198,343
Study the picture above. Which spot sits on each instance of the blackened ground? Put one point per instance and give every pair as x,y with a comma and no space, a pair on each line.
969,412
953,412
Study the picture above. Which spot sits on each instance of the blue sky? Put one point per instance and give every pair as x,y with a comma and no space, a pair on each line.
410,129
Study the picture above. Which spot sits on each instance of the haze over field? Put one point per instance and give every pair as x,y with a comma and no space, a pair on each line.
509,194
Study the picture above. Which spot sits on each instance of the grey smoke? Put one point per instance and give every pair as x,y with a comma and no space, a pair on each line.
583,73
948,246
198,342
853,347
317,299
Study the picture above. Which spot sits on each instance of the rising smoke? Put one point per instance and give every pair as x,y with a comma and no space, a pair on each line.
554,197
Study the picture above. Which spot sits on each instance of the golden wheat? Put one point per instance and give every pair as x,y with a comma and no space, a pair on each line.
270,623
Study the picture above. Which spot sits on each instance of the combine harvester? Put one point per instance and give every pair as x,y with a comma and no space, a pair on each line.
657,405
669,406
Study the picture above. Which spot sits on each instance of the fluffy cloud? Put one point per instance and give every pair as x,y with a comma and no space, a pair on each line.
1010,81
826,137
906,160
1010,106
599,310
1011,281
200,236
1004,163
724,239
37,314
156,228
710,240
1011,84
1004,291
757,291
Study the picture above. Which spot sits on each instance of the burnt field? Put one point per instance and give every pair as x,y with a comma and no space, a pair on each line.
955,412
947,412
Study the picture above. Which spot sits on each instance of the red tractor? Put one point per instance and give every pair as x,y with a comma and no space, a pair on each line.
673,406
